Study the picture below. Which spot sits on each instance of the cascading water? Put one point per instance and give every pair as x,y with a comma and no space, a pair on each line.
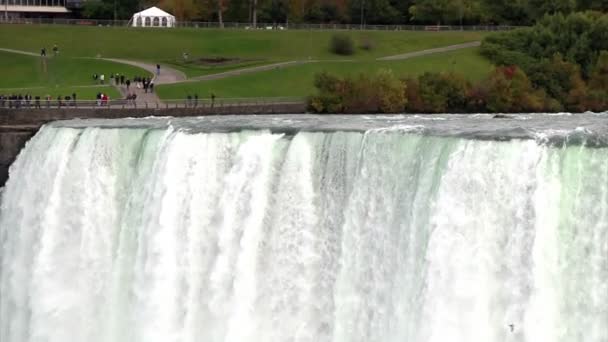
170,235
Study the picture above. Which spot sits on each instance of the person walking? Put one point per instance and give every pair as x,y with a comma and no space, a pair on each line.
55,50
128,83
157,69
102,78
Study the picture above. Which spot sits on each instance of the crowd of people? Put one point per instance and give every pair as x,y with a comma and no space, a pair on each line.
145,83
29,101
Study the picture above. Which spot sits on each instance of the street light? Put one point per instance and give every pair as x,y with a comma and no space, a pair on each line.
362,13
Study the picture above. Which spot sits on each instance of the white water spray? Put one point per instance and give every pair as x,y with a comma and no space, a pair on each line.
149,235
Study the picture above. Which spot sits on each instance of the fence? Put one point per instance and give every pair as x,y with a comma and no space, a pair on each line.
263,26
218,103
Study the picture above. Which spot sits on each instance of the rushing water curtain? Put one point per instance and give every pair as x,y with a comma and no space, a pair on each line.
161,235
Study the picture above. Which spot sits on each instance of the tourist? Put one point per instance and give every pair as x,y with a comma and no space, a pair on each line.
95,77
128,83
122,79
37,101
98,98
48,100
188,100
74,99
151,86
195,100
212,100
59,101
55,50
102,78
145,86
43,52
157,69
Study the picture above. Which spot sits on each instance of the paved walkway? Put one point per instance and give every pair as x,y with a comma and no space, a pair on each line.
430,51
167,75
250,70
27,53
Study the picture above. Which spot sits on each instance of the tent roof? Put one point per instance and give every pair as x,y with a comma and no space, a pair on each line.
153,12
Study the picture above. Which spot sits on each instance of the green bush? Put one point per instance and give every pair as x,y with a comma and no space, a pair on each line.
342,44
367,43
558,85
443,92
380,93
509,90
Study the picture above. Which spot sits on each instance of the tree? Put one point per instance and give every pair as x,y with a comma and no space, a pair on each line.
254,13
221,7
512,12
182,9
110,9
446,11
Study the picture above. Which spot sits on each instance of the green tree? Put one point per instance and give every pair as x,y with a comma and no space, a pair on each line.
512,12
110,9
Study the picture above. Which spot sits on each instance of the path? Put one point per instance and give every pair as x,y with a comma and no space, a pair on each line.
250,70
27,53
167,76
430,51
170,75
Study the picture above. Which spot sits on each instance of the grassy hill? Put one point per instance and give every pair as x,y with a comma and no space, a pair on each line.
298,80
60,75
157,45
213,51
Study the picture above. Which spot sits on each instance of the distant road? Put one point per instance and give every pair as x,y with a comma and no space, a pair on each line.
430,51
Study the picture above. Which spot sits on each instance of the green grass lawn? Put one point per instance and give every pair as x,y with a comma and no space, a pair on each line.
82,93
158,45
21,71
250,47
192,69
298,80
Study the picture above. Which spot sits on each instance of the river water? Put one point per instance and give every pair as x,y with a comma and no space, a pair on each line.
308,228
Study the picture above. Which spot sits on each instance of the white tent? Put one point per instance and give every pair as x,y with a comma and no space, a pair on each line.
152,17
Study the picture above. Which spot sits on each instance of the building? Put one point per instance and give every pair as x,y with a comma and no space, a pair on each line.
39,8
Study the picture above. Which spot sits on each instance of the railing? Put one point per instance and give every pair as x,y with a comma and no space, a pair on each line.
263,26
218,103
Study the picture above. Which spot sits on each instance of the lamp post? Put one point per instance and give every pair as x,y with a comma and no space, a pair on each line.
461,5
362,13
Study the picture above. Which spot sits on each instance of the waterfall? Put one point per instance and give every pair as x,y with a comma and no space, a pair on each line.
161,234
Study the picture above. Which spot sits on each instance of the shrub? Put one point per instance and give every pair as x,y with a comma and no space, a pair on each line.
367,44
381,93
342,44
510,90
444,92
414,102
